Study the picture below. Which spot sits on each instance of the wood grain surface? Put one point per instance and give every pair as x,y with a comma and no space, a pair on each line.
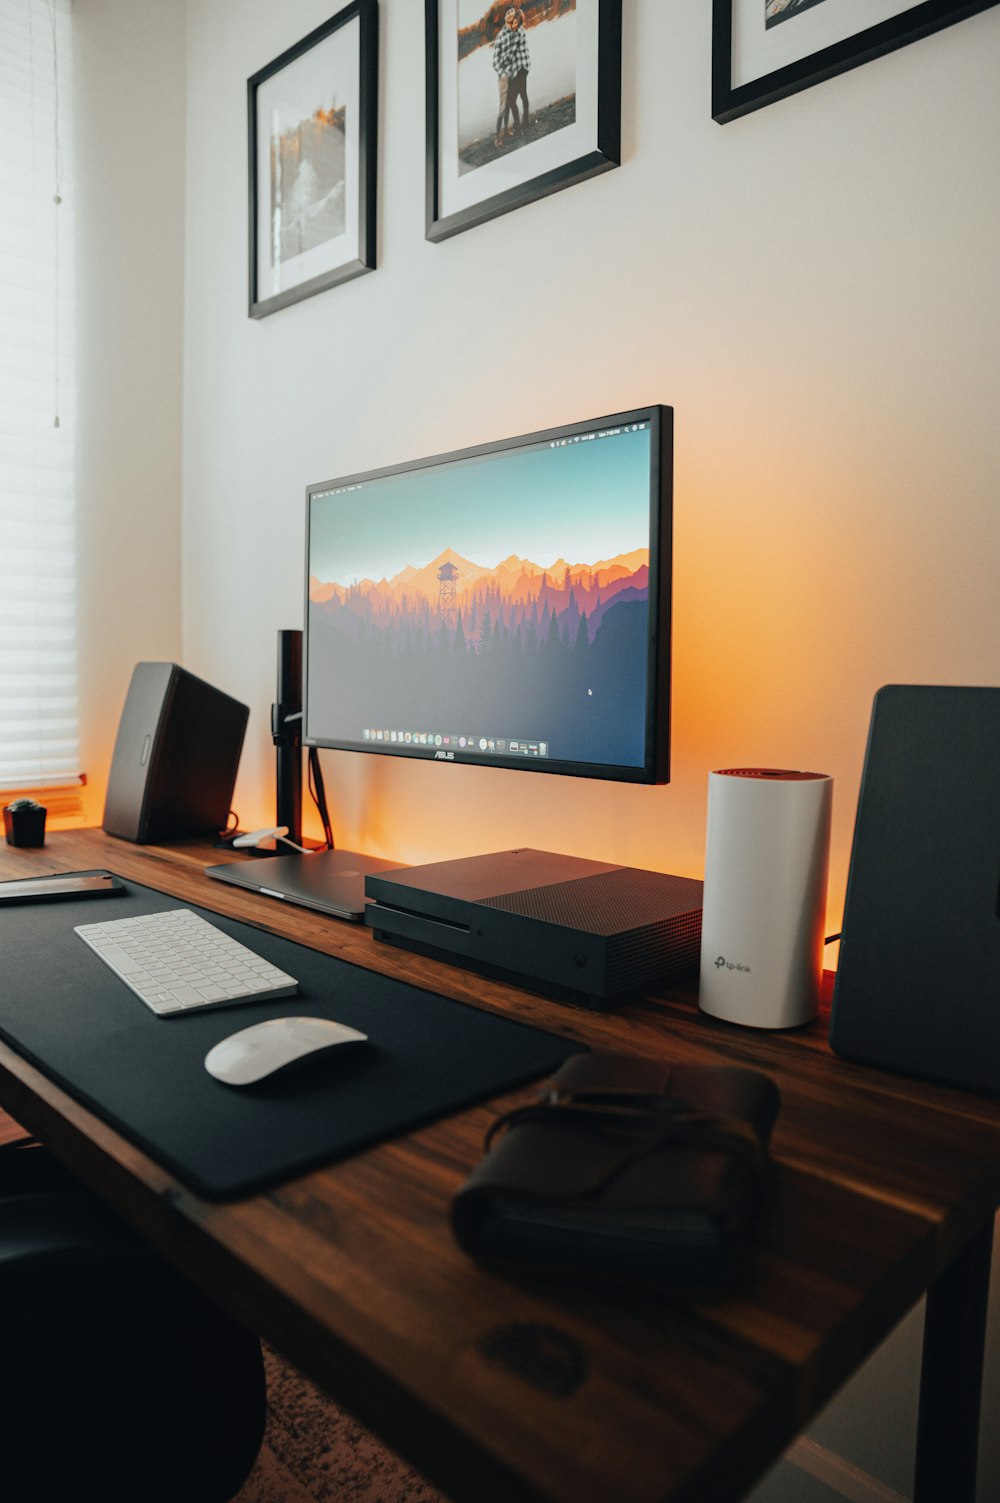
508,1391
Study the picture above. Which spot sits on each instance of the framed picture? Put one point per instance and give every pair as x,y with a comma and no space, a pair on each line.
764,50
313,118
522,100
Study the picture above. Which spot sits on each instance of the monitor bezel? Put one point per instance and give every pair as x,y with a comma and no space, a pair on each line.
656,762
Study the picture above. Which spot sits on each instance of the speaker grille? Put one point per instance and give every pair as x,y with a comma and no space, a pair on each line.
176,755
919,974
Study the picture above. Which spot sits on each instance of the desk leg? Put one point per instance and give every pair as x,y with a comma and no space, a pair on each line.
951,1377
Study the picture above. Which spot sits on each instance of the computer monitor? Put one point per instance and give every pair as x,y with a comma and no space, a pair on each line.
505,605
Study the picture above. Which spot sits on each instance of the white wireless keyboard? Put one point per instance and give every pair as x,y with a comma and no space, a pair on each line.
176,961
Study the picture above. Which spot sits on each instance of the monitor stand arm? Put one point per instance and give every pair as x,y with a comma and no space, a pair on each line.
285,720
286,732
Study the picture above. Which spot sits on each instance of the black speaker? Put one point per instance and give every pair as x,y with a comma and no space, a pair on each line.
176,756
918,983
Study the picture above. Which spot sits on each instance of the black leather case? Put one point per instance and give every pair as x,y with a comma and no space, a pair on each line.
628,1171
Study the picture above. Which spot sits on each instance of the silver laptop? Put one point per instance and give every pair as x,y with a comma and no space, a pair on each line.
329,881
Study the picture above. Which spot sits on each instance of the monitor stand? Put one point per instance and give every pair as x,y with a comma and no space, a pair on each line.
318,875
286,733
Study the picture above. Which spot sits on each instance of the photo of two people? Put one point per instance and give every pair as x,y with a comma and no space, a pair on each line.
516,76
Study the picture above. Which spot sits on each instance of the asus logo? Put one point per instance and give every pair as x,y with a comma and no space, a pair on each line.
440,756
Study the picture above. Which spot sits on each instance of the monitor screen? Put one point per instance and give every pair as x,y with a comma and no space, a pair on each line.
506,605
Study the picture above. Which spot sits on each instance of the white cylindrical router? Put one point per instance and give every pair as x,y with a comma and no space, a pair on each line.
767,851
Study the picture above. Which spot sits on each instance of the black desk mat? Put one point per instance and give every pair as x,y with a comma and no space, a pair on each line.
427,1055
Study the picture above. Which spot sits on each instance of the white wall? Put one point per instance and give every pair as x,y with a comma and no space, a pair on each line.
129,82
813,288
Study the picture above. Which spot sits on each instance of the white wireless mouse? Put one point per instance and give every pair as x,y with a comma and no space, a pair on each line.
258,1051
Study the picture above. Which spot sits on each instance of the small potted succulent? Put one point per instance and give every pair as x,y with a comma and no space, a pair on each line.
24,822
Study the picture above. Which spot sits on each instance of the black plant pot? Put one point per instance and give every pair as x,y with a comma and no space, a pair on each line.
24,826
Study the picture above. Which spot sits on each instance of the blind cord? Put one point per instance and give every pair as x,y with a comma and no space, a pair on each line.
56,200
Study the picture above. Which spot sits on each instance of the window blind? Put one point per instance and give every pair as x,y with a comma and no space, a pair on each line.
39,728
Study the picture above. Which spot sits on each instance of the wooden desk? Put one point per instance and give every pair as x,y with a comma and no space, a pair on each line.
514,1393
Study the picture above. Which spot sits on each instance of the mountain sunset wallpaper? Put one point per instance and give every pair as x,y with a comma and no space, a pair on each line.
502,600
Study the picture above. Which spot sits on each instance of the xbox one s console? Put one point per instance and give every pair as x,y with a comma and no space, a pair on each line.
589,932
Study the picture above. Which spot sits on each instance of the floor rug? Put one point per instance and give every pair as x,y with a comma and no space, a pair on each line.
315,1453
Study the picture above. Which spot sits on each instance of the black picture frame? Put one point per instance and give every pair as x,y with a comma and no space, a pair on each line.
349,57
913,19
598,152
